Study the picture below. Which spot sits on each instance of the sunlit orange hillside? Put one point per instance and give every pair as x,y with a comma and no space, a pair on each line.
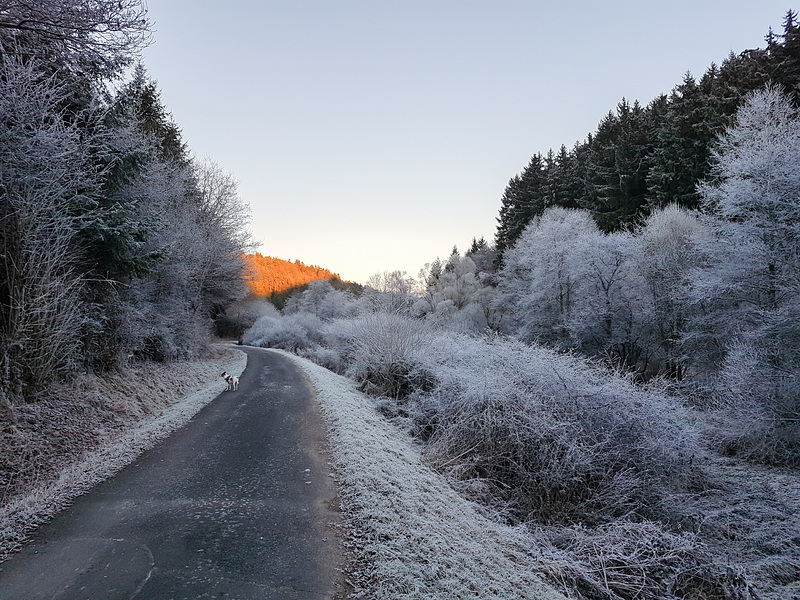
268,276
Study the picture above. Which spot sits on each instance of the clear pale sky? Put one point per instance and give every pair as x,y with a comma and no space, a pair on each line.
372,136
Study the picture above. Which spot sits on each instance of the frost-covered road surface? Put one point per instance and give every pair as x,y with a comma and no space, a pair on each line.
237,504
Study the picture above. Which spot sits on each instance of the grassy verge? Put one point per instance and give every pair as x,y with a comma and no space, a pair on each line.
412,535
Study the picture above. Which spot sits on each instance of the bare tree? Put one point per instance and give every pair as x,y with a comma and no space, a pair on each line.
390,291
101,34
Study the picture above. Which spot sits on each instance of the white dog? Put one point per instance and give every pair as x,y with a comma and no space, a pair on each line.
231,380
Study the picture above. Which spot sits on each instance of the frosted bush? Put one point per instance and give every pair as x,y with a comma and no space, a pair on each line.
760,405
545,435
382,351
636,561
325,357
292,332
411,535
556,437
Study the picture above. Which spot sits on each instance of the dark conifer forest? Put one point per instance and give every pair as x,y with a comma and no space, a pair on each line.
643,157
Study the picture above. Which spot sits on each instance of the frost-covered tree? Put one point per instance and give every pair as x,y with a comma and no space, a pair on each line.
114,242
541,273
322,300
612,309
456,295
753,279
756,198
44,175
222,225
199,265
667,249
568,284
389,291
483,255
99,37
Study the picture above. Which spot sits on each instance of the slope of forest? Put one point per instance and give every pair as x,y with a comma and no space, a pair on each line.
266,275
275,279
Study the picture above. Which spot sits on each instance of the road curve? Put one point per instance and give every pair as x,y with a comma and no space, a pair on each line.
237,504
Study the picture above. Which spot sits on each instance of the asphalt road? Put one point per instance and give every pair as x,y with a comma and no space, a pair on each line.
238,504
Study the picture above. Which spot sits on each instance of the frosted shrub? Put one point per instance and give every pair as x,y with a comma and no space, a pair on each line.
162,331
556,437
325,357
640,561
383,352
293,332
760,406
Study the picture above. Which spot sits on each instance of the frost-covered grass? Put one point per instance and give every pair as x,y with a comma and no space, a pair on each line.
82,433
293,332
559,438
553,437
750,520
413,536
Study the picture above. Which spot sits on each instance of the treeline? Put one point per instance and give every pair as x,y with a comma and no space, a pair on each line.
116,244
645,157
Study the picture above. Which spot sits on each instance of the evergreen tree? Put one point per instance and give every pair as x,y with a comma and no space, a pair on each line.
683,144
524,198
785,54
619,163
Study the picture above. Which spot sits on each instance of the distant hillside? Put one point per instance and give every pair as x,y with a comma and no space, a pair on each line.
268,275
277,279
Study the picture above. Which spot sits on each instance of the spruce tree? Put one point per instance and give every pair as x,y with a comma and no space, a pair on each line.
683,144
524,198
